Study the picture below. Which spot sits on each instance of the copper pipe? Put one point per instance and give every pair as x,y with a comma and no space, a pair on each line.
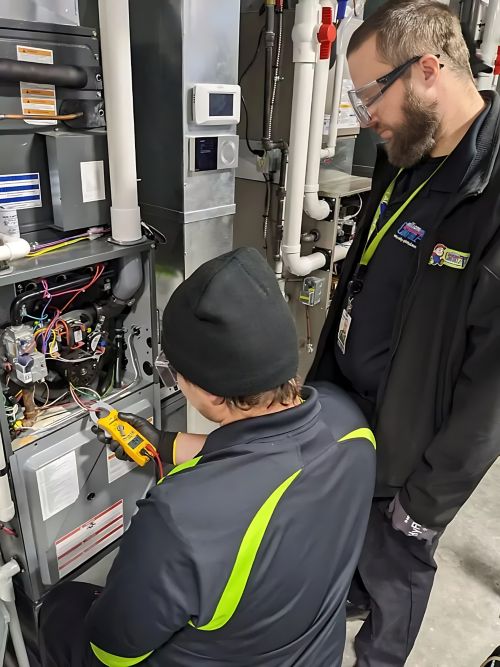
20,116
30,409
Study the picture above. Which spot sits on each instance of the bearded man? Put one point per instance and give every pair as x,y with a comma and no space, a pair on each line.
413,333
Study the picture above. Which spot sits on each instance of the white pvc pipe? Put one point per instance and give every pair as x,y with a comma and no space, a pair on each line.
338,81
7,572
490,43
13,248
304,36
314,207
117,70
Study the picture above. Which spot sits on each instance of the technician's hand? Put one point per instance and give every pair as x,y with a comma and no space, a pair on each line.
162,441
403,522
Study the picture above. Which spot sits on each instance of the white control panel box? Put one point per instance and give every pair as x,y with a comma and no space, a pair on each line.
216,104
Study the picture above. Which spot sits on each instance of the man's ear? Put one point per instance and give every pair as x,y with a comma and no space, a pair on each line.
430,69
216,401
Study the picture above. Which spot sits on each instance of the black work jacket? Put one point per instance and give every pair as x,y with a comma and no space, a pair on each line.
246,557
437,417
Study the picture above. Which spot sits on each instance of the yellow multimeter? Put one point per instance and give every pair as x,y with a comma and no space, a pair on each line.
132,442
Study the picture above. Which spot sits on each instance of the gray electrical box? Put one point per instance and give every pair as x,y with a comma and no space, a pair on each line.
79,178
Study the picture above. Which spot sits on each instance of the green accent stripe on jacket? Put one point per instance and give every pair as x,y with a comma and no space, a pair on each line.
182,466
114,660
245,559
360,433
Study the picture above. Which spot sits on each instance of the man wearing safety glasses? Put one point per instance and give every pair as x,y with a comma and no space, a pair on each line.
242,555
413,333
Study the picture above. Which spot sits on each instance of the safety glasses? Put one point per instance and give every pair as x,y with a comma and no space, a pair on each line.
362,98
167,373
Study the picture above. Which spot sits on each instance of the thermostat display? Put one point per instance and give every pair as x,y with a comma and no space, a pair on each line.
216,104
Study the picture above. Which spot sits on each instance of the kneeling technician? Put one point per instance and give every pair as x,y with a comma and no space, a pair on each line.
243,554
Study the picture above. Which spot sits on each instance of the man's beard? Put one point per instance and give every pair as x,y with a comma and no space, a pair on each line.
415,138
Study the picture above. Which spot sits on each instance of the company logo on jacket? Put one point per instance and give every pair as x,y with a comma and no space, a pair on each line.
410,234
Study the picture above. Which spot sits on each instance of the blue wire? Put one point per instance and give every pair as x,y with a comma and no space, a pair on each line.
37,319
45,308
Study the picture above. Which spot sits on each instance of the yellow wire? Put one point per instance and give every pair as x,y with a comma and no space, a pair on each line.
52,342
38,253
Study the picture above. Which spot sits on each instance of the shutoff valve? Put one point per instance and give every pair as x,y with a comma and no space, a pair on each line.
327,33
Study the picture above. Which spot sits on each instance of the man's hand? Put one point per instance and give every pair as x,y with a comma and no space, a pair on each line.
162,441
403,522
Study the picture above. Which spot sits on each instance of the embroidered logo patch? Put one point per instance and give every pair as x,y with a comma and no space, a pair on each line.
410,234
443,256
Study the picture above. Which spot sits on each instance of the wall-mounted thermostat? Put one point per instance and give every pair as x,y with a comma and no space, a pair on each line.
213,153
216,104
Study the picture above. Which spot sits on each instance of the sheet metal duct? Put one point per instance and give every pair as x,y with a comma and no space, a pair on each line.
63,12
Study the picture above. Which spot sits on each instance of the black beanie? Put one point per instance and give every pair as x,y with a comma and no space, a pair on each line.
228,329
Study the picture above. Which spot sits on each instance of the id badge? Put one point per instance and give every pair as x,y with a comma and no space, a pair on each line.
345,325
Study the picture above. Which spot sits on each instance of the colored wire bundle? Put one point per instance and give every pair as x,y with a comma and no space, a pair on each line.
74,292
56,246
85,403
40,249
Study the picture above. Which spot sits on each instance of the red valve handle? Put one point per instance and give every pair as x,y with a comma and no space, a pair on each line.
327,33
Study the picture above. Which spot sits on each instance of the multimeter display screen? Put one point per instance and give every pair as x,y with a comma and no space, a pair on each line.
135,442
221,104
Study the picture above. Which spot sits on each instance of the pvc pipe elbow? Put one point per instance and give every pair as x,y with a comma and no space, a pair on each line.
315,208
328,153
7,572
13,248
303,266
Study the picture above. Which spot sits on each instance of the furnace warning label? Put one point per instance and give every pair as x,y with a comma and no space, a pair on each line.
32,54
20,191
38,100
87,540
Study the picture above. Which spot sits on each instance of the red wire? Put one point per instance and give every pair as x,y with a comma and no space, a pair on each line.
157,459
98,273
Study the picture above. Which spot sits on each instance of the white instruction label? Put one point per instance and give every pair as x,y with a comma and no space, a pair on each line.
58,485
20,191
87,540
118,468
93,187
347,116
33,54
38,100
9,223
23,374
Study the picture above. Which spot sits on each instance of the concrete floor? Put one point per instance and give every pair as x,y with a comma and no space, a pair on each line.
462,625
